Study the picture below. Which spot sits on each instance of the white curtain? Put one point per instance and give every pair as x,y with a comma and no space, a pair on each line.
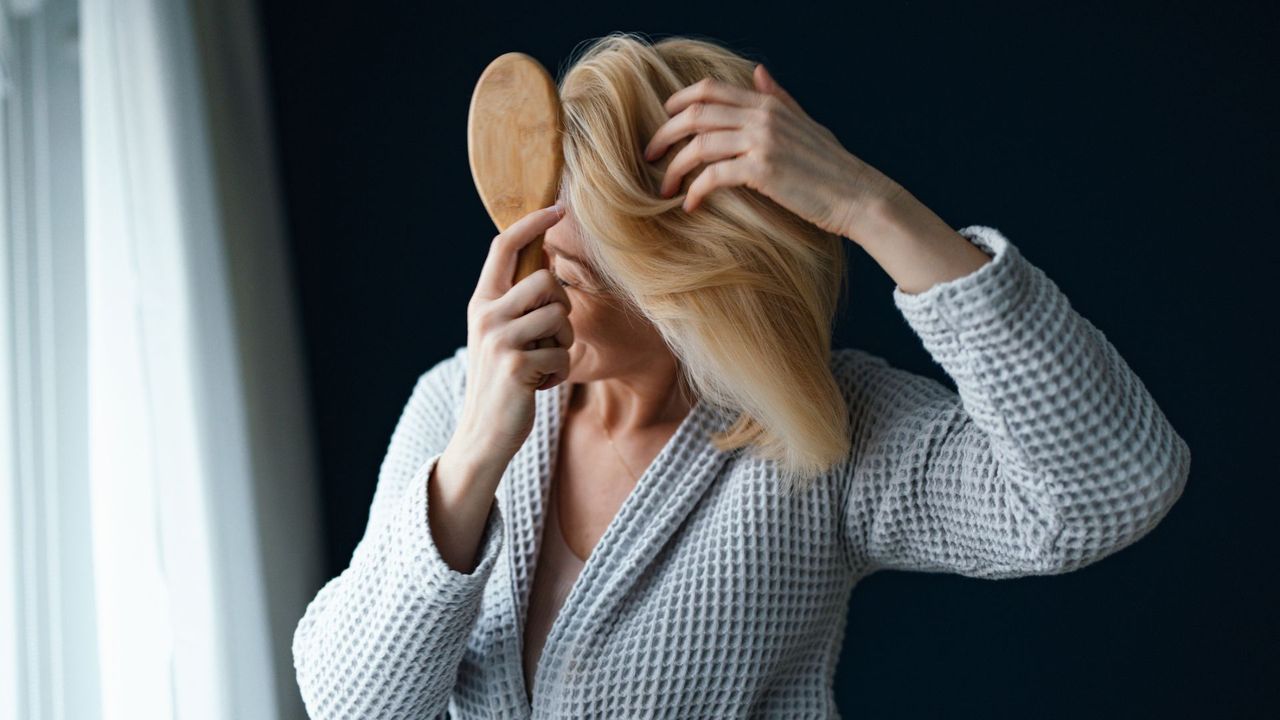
153,431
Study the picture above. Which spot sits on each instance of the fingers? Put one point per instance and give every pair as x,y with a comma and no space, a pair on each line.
539,288
740,170
705,148
765,82
547,321
500,264
695,118
710,90
545,367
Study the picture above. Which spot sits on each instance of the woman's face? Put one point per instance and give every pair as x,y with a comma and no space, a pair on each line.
608,339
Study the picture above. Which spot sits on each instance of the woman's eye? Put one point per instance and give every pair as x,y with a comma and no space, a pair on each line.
558,278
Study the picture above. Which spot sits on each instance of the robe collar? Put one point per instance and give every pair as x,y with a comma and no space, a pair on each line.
666,493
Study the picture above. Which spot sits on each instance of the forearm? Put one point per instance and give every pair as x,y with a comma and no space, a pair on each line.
462,487
913,245
385,638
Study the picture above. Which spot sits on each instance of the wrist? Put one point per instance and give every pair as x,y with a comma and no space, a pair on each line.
893,217
915,246
870,211
472,461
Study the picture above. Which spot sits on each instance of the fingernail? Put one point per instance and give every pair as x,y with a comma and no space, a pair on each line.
557,208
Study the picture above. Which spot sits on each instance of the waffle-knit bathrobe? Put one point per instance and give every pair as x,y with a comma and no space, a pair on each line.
715,594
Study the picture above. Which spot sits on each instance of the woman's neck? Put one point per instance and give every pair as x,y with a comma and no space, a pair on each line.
629,404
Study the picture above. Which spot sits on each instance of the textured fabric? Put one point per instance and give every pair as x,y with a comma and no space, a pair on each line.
713,593
554,574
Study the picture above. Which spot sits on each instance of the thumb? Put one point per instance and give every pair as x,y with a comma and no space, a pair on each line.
766,83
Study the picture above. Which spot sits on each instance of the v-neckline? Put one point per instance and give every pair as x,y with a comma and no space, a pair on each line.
554,487
627,545
557,527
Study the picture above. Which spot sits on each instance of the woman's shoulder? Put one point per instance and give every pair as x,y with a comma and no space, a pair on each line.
851,358
426,423
855,368
442,386
870,383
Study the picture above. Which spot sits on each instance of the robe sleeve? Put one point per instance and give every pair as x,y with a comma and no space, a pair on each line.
1050,455
386,636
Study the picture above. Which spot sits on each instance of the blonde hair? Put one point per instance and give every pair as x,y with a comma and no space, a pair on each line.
743,291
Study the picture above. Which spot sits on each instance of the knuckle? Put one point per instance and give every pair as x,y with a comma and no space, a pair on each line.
475,318
543,282
763,167
486,319
506,239
766,119
764,131
489,344
504,336
487,322
767,147
511,363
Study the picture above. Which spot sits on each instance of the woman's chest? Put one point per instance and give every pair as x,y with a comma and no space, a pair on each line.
594,475
749,578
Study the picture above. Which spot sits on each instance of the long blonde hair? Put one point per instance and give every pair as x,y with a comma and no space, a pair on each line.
743,291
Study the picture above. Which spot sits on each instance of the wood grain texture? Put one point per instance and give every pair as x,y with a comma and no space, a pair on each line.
513,142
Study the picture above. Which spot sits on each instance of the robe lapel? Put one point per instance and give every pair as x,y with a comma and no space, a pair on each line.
523,493
665,494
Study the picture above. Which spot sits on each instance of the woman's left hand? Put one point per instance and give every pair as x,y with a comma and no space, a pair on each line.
764,140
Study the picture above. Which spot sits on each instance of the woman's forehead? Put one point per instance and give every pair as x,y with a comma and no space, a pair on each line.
566,235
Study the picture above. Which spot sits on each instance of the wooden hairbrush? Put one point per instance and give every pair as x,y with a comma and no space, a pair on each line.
513,142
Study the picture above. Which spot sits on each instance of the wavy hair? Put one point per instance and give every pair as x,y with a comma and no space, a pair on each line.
743,291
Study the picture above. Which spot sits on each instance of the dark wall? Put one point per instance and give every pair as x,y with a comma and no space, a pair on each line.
1130,152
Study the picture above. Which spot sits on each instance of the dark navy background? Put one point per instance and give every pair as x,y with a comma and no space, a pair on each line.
1129,152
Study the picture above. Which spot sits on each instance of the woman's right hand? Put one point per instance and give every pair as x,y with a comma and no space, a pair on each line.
504,370
504,365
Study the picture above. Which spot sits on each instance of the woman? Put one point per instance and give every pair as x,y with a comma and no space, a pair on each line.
665,513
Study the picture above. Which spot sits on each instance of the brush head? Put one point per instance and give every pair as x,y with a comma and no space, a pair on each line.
513,138
513,142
